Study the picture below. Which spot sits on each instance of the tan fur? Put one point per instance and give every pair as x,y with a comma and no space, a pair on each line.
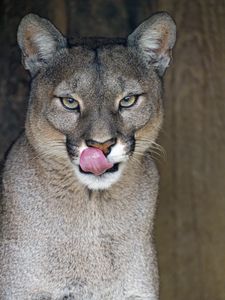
67,234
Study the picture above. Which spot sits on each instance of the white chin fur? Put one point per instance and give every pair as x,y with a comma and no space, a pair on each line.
101,182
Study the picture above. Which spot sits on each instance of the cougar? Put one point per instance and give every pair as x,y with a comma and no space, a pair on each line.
80,185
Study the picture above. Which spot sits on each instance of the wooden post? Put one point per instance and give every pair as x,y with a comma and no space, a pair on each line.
191,222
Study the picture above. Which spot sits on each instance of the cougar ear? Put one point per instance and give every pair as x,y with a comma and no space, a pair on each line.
39,40
154,39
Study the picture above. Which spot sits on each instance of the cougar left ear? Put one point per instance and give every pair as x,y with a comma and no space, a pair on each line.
154,39
39,41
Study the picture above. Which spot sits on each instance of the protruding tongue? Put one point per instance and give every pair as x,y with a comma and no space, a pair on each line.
93,160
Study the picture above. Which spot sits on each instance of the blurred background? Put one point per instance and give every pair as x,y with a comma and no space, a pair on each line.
190,223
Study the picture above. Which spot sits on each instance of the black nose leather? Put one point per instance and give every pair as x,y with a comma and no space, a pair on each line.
105,146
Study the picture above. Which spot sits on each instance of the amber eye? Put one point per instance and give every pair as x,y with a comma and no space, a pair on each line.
70,103
128,101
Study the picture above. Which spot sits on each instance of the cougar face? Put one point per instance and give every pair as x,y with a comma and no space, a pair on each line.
105,96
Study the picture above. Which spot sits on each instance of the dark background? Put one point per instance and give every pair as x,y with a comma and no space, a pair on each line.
190,225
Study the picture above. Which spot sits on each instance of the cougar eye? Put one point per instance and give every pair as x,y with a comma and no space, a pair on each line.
128,101
70,103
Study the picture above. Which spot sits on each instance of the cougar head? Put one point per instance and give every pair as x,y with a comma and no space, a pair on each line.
96,103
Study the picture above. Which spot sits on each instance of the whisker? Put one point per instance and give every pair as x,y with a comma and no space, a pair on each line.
150,153
134,159
52,152
153,147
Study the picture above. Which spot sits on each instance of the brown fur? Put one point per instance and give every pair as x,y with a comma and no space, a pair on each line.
66,234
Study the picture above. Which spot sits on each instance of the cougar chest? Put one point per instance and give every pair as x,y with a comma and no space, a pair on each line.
85,242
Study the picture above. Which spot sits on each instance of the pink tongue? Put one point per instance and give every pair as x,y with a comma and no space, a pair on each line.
93,160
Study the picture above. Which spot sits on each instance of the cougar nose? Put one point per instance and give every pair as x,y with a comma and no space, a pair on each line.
105,146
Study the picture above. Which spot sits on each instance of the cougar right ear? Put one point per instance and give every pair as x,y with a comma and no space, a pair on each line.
153,41
39,40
